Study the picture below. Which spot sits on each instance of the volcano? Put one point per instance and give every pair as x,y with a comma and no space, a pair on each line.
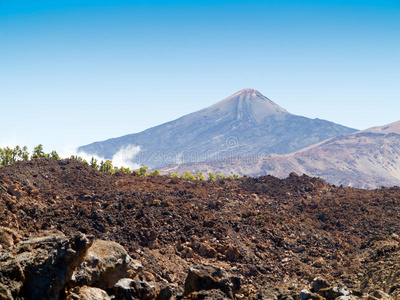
246,124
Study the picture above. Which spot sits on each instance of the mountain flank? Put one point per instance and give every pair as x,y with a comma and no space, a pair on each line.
365,159
246,124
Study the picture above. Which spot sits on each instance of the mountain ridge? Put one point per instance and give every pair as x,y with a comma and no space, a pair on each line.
366,159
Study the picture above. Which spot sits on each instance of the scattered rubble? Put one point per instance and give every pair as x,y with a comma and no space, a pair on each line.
70,232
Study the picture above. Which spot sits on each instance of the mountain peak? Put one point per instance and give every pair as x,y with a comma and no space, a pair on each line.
248,104
249,90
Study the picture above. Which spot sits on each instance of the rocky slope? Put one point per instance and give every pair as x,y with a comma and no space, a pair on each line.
365,159
246,124
272,236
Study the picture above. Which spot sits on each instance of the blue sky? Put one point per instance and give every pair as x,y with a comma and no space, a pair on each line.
75,72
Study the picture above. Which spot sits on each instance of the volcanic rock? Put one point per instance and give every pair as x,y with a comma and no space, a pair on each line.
167,293
8,237
204,278
39,268
104,263
379,295
319,283
127,289
332,293
279,228
307,295
88,293
208,295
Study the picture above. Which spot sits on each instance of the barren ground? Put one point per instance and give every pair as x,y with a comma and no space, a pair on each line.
269,231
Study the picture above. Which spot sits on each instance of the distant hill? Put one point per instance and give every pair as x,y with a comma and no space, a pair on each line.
246,124
366,159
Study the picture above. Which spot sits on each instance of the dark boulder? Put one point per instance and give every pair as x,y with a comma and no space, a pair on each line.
208,277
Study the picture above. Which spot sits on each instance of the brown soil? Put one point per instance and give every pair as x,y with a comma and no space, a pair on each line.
267,230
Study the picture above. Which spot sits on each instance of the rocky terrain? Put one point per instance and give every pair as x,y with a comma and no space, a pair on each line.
365,159
70,232
246,124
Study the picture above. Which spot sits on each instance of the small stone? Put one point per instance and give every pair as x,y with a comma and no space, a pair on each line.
318,263
333,292
379,295
344,298
5,293
209,295
299,249
127,288
306,294
287,298
166,293
209,277
91,293
319,283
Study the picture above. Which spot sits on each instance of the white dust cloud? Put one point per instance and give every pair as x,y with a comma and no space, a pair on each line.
120,159
124,156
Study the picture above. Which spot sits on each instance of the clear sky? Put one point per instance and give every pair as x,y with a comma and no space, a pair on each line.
77,71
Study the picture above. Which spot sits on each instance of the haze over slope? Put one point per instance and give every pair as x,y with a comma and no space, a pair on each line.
366,159
246,124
